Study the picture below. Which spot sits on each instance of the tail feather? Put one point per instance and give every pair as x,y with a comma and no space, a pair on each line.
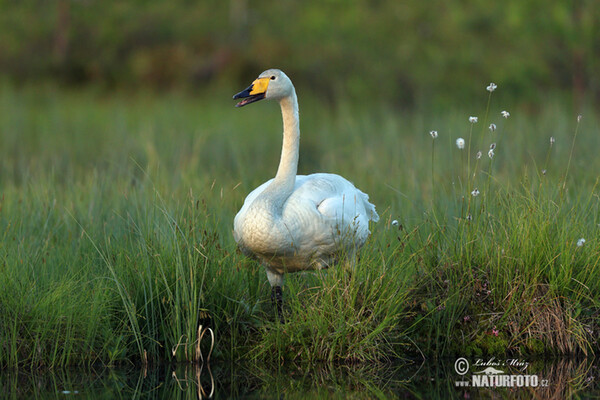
372,213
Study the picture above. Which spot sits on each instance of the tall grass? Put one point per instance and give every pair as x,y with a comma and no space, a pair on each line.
116,216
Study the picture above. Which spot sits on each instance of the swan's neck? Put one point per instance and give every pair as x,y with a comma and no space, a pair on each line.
285,179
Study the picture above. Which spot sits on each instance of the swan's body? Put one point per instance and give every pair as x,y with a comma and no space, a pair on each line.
293,223
323,215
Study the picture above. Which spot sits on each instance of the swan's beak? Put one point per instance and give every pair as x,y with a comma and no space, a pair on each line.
254,92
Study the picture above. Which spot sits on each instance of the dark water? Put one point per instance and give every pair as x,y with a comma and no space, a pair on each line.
419,379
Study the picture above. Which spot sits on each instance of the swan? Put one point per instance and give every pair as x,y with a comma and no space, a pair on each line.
298,222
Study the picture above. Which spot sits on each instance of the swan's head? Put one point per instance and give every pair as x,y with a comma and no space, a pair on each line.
271,84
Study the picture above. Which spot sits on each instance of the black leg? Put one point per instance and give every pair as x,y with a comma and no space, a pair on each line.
277,299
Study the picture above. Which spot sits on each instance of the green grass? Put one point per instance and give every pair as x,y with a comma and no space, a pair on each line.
116,218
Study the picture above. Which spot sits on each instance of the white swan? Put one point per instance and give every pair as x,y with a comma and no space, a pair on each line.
298,222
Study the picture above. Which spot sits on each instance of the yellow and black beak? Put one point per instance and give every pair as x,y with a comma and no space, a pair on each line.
254,92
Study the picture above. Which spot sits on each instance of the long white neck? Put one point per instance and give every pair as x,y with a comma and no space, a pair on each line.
288,164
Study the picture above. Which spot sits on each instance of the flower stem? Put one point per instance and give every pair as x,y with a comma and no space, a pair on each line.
564,185
432,176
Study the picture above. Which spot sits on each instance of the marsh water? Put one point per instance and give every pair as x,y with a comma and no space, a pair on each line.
414,379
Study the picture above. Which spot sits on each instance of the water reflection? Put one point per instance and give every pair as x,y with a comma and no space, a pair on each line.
560,379
428,379
205,389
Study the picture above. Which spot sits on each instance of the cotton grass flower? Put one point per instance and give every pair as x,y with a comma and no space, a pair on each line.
552,140
492,146
579,118
473,120
580,242
460,143
478,155
491,153
475,192
395,222
491,87
505,114
433,134
492,127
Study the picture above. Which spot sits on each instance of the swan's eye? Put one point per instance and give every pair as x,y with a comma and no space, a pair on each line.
273,78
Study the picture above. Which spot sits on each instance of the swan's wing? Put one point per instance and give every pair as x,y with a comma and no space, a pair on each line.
341,212
332,194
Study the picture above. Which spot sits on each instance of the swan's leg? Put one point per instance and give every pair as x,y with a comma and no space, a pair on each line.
276,281
277,299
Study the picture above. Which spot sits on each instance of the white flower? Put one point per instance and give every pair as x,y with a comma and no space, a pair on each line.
478,155
433,134
460,143
491,153
579,118
544,172
491,87
475,192
552,140
469,217
395,222
492,146
505,114
492,127
472,120
580,242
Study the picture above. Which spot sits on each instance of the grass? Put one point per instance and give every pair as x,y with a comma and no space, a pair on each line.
116,222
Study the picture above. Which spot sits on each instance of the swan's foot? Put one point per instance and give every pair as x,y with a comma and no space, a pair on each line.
277,299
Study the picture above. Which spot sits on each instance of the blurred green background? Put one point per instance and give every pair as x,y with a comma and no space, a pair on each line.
405,53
